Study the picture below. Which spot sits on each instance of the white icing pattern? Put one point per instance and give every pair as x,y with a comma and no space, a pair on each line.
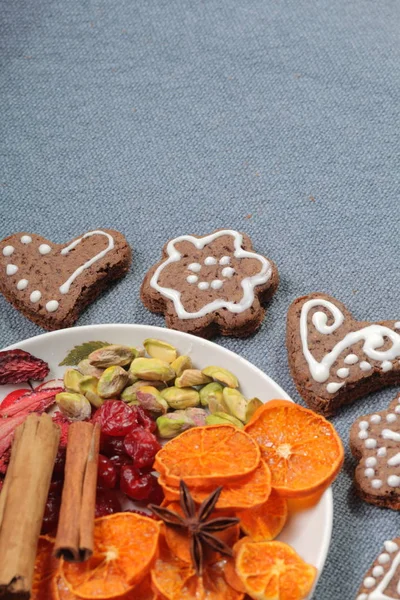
8,250
248,283
11,269
22,284
373,336
44,249
26,239
378,573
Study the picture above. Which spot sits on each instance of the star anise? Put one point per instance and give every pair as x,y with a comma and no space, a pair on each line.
200,530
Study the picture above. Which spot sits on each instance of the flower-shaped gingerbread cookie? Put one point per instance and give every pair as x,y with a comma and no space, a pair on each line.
211,284
382,582
375,442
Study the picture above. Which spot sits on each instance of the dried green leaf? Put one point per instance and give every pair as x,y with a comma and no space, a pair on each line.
81,352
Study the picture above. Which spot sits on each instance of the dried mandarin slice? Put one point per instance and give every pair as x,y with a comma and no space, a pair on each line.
206,455
273,571
143,591
301,448
231,577
46,567
125,545
171,493
252,490
61,590
266,521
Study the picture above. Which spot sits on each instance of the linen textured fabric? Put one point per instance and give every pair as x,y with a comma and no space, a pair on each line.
163,117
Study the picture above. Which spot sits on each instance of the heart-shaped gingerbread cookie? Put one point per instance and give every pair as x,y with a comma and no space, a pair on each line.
335,359
52,283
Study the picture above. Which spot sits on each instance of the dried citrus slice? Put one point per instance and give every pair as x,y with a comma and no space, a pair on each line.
231,577
301,448
125,545
61,590
273,571
203,456
45,569
249,491
266,521
143,591
175,579
178,540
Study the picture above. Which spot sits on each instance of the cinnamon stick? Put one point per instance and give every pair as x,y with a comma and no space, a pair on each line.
22,503
74,541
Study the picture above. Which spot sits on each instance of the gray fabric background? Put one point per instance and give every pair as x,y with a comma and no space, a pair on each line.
162,117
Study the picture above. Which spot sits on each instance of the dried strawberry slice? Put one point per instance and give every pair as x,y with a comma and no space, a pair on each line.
13,397
4,460
33,402
64,425
17,366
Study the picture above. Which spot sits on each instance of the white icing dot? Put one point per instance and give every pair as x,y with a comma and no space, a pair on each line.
365,366
225,260
376,484
378,571
210,260
386,366
370,443
351,359
382,452
195,267
391,418
228,272
44,249
369,582
394,461
26,239
35,296
369,473
397,325
383,558
397,409
217,284
362,597
8,250
390,546
334,387
363,424
203,285
192,279
52,306
371,461
11,269
375,419
343,372
393,481
363,434
22,284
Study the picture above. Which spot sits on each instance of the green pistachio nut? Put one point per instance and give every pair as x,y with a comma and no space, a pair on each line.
86,368
211,392
235,403
72,377
74,406
191,377
172,424
161,350
252,406
150,399
181,397
222,376
220,418
111,356
137,351
112,382
152,369
129,393
197,415
88,387
181,363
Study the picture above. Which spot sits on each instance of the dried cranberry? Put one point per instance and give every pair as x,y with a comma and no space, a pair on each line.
107,503
56,487
156,495
142,445
59,464
51,513
110,446
64,424
119,460
143,418
135,485
115,418
17,366
106,472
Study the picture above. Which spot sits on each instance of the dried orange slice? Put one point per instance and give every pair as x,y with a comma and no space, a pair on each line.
231,577
273,571
125,545
266,521
61,590
175,579
204,455
45,569
178,540
301,448
143,591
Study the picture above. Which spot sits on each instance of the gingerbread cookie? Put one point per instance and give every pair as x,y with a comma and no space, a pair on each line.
211,284
52,283
382,582
375,442
335,359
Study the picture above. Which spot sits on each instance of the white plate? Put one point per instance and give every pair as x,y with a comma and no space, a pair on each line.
308,531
